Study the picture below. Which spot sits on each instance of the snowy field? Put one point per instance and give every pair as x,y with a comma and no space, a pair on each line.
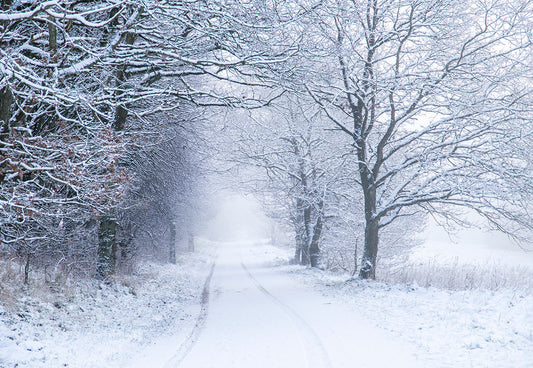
448,328
265,313
445,328
470,259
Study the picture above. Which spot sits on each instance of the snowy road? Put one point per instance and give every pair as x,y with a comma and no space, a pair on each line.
258,317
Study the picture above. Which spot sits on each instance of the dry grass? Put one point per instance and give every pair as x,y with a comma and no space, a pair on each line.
56,286
46,286
9,276
457,276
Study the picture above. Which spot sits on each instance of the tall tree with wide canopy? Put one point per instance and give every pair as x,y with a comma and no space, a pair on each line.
434,95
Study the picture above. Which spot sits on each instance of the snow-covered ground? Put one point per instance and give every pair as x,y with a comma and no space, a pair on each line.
442,328
448,328
97,325
261,312
469,259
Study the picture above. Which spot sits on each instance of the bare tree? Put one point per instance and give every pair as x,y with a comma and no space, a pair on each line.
434,96
78,83
166,194
300,171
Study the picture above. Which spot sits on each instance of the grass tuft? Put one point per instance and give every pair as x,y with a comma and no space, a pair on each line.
459,276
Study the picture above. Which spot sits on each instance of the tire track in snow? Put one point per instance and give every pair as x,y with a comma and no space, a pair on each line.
317,353
192,338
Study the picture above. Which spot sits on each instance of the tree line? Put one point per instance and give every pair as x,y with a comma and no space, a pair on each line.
362,117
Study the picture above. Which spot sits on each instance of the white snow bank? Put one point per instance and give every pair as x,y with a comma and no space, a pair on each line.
97,325
453,328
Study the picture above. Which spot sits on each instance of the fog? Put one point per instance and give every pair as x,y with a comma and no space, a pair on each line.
238,218
473,245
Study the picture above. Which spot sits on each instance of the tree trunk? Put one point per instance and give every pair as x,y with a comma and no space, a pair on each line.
297,253
6,100
368,263
125,244
298,246
306,259
121,112
27,269
107,245
52,35
298,232
121,115
172,243
370,252
314,250
107,232
355,258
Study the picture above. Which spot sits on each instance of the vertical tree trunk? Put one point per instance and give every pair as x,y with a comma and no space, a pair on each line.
368,263
27,269
307,236
370,252
172,243
125,244
298,232
52,35
314,250
6,100
355,257
121,112
298,246
297,253
107,246
107,232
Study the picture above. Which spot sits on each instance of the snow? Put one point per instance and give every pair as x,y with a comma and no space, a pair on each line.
473,246
450,328
262,312
28,14
261,317
98,325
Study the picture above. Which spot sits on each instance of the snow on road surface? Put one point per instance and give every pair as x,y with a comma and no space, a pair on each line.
261,317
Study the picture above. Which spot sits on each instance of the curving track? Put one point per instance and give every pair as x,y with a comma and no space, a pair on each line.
314,349
193,336
254,316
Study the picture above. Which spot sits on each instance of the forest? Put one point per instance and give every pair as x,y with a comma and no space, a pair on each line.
352,121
